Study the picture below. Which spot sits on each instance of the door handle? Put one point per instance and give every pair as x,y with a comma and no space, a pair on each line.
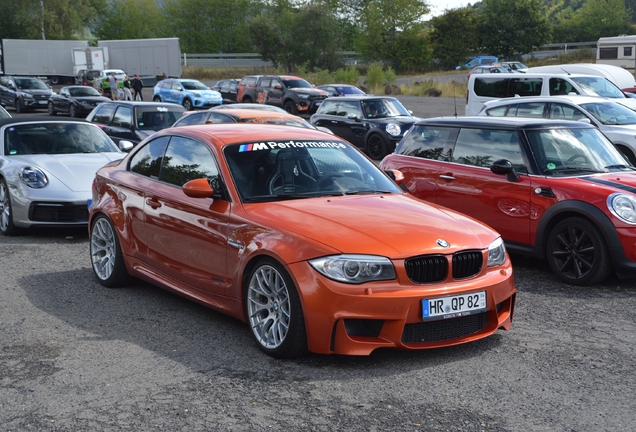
334,121
153,203
447,177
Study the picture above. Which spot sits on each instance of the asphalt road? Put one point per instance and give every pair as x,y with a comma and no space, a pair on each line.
75,356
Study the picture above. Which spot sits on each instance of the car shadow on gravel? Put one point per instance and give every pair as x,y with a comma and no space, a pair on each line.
199,338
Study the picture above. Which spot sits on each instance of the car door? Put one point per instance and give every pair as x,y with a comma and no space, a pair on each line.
275,93
187,237
4,91
467,185
120,127
334,115
62,101
176,93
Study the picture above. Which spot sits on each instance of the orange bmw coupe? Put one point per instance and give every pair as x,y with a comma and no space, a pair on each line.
301,236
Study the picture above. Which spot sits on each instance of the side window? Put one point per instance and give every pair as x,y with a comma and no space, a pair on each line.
481,147
567,112
104,114
219,118
531,109
225,86
559,86
191,119
123,117
497,88
328,108
525,87
147,161
428,142
499,111
176,86
352,107
266,83
233,86
187,160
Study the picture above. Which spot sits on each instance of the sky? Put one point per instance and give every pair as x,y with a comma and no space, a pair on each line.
438,6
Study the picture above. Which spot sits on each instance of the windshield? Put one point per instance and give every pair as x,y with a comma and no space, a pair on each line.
599,86
282,170
56,138
30,84
382,108
296,83
157,117
194,85
350,90
83,91
562,152
611,113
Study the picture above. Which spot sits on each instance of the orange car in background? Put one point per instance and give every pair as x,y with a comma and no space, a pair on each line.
241,115
301,236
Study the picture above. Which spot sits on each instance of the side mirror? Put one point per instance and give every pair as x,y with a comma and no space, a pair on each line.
125,146
504,167
278,86
352,116
396,175
198,188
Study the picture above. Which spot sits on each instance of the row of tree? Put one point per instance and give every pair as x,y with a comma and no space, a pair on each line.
311,32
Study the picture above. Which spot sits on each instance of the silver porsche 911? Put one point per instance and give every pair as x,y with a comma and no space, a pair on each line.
47,169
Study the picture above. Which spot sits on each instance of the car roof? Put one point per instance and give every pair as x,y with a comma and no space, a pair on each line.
359,97
39,119
233,133
252,113
573,99
503,122
142,103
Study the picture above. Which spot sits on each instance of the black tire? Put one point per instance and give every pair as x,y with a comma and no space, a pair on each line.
577,252
106,257
51,109
290,107
7,227
156,99
273,310
247,99
18,106
72,111
187,104
55,80
376,146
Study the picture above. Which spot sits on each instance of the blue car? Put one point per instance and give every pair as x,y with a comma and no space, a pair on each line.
190,93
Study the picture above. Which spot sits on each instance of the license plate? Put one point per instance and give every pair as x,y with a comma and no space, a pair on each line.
453,306
42,102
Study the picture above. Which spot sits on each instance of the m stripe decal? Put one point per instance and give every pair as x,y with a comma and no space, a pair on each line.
616,185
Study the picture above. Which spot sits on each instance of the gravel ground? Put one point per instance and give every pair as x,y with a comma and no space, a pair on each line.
75,356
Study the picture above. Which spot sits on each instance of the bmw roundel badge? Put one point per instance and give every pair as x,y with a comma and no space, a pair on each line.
443,243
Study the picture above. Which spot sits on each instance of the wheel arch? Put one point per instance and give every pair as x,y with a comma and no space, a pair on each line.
627,151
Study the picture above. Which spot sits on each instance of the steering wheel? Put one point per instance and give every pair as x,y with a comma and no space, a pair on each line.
578,156
326,180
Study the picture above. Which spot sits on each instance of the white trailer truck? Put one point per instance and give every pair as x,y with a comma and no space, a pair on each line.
145,57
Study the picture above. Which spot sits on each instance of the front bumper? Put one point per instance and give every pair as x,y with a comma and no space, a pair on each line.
358,319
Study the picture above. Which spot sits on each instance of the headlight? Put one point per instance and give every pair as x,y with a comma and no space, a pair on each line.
354,269
303,96
623,207
496,253
33,177
393,129
25,95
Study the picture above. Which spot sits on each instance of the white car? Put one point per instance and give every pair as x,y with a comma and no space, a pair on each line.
614,120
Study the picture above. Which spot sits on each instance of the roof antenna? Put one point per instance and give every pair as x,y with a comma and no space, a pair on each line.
454,98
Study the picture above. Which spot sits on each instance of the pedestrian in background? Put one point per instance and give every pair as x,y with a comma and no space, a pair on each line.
114,87
127,93
137,85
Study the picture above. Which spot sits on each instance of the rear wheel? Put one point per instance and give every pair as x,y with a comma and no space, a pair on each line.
376,147
106,256
51,109
274,312
55,80
7,227
187,104
290,107
577,252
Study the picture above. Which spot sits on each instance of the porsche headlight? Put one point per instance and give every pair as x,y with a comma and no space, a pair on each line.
33,177
496,253
622,206
393,129
354,269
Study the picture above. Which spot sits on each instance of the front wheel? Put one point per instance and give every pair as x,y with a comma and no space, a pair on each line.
106,257
274,312
156,99
187,104
18,106
290,107
51,109
7,227
376,147
577,252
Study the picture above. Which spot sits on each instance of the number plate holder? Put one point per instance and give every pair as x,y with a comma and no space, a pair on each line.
440,308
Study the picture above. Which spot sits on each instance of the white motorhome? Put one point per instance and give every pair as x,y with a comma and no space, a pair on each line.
623,78
617,51
485,87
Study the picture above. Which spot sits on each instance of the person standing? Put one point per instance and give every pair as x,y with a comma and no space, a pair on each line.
127,93
137,85
114,87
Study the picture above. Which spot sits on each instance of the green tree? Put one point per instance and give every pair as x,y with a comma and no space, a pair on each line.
454,36
130,19
509,27
599,18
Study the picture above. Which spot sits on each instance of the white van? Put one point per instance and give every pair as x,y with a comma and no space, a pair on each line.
623,78
485,87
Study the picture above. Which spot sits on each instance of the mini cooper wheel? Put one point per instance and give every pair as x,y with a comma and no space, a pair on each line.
51,109
577,253
7,227
187,104
376,147
290,107
274,312
72,111
106,257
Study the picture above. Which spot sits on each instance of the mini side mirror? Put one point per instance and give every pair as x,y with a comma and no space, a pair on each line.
504,167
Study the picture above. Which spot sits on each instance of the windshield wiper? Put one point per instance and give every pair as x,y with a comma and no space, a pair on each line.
566,169
620,167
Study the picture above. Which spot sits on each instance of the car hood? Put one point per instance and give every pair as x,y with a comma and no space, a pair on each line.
208,93
401,120
76,171
309,91
619,181
628,102
88,99
392,225
36,92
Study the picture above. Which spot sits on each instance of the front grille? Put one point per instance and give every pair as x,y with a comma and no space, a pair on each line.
58,212
442,330
427,268
317,97
466,264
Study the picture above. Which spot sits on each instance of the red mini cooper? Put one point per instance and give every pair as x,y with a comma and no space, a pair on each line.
553,189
